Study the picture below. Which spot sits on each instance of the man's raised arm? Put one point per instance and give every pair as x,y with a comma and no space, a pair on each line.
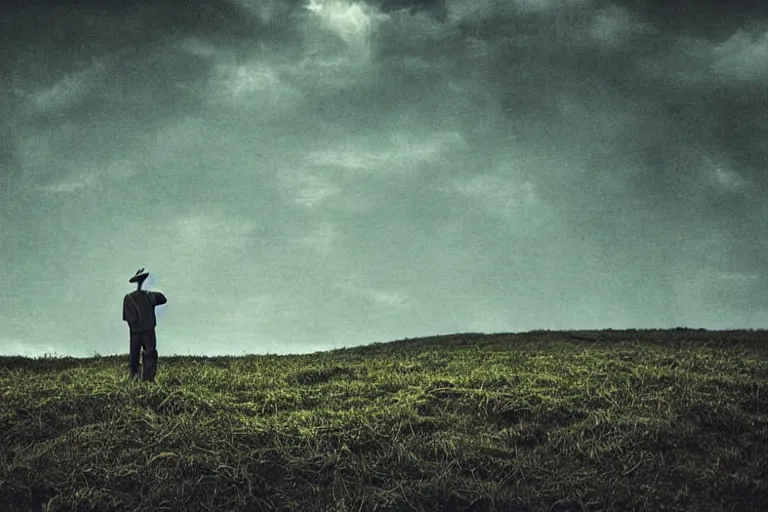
159,298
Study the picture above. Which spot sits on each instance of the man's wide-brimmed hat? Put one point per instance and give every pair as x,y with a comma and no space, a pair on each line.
141,275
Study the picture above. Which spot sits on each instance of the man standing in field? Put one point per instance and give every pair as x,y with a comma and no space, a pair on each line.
139,312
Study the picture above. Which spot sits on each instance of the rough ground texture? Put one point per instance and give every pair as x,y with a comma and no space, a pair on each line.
541,421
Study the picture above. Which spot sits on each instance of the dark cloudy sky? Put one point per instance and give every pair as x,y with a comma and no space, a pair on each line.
300,175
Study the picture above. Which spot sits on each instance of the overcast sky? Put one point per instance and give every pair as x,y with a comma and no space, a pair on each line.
299,175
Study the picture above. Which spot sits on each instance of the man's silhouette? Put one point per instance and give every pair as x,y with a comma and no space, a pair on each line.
139,312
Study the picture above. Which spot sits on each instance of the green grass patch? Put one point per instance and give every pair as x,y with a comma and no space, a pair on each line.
578,421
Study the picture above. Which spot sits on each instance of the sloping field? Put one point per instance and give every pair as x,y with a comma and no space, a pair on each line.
561,421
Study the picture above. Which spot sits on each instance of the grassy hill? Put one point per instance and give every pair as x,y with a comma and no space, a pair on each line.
541,421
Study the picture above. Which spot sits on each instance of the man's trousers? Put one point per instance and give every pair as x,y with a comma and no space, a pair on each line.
144,340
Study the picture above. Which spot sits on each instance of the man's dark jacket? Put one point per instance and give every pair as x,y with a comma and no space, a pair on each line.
139,309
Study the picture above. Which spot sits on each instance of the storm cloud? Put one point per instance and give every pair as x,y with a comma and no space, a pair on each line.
299,175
